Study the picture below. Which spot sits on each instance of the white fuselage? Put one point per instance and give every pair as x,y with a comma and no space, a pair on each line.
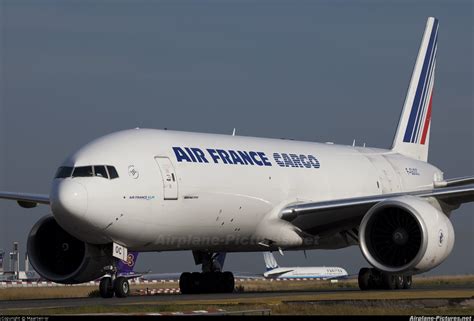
197,201
315,272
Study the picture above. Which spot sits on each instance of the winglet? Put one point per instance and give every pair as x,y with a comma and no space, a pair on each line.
413,132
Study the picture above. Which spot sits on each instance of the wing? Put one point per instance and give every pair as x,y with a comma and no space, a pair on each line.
25,199
320,217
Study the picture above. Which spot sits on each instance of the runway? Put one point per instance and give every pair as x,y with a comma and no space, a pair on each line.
321,296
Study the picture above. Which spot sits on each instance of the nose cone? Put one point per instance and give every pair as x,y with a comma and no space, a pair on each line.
69,198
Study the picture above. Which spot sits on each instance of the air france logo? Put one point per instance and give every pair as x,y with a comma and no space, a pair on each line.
246,158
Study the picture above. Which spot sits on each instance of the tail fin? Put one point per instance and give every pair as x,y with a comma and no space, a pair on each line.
413,132
270,262
126,267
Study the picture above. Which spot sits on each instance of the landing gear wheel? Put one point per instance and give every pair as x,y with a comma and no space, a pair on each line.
407,282
364,279
121,287
196,283
208,282
399,281
105,288
229,282
185,283
389,281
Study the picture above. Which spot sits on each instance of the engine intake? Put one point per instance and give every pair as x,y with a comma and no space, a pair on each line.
60,257
405,235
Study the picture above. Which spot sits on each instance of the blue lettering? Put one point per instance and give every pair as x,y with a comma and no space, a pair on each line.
314,162
190,153
235,157
278,160
296,160
246,157
224,156
287,160
212,152
264,159
304,161
255,159
199,155
181,155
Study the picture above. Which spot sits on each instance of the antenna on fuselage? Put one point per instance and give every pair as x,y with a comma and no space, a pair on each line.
233,132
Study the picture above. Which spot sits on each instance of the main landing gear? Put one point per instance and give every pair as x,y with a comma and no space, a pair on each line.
110,285
211,279
372,279
206,282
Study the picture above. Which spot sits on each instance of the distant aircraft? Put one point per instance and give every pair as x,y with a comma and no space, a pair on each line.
127,268
312,272
161,190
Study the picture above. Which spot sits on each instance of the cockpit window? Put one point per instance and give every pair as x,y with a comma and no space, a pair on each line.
63,172
83,171
100,171
112,172
104,171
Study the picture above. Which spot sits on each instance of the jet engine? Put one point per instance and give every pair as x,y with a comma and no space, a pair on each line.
60,257
405,235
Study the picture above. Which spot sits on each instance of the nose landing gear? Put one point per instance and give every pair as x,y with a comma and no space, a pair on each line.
110,285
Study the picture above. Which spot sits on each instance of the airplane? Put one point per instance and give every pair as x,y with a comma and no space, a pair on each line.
161,190
274,271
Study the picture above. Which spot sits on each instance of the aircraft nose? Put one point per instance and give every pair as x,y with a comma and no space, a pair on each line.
70,198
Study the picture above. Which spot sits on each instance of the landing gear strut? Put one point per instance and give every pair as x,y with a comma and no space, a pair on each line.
110,285
211,279
372,279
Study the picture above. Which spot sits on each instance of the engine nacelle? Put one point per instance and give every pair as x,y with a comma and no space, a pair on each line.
60,257
405,235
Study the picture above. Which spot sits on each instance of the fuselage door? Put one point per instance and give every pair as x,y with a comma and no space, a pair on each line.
168,174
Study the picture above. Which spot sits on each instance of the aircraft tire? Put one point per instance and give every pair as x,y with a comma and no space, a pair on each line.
208,282
105,288
121,287
185,283
196,283
399,281
364,279
229,282
407,282
389,281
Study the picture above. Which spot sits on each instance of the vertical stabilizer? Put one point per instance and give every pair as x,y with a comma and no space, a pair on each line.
127,267
270,262
413,132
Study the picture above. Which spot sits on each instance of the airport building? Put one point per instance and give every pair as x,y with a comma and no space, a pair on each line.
12,272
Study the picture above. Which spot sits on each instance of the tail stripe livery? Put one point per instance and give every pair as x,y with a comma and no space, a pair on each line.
427,121
413,132
423,89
